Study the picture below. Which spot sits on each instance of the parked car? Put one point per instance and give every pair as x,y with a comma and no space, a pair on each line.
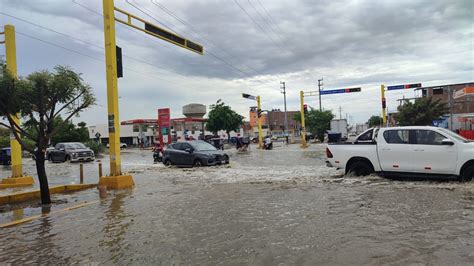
416,151
193,153
122,145
5,156
47,154
71,151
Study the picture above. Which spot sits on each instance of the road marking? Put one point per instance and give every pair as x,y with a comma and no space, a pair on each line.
34,217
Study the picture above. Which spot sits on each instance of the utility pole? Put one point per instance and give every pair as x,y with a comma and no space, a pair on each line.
320,84
303,129
259,123
283,88
16,151
384,105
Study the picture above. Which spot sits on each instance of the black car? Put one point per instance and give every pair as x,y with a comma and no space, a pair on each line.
194,153
5,156
71,151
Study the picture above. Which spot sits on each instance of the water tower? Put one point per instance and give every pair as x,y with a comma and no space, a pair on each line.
194,110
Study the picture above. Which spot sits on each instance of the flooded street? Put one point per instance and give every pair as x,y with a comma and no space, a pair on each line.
267,207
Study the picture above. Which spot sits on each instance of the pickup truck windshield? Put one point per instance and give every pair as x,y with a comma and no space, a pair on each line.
75,146
454,135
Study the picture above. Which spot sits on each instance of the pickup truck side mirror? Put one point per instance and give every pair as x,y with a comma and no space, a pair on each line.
189,150
62,149
447,142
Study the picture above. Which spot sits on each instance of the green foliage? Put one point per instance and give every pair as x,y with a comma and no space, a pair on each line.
317,122
4,141
420,113
375,121
222,117
69,132
4,138
40,99
95,146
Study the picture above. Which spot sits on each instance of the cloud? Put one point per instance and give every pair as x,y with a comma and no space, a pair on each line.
350,43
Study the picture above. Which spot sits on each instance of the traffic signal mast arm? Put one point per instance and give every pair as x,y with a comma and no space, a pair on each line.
159,32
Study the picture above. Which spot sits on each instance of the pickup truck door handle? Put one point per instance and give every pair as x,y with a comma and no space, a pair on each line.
419,150
385,149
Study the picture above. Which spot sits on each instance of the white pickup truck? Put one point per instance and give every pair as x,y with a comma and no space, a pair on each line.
405,151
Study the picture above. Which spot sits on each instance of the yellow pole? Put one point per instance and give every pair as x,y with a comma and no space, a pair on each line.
259,123
116,179
303,128
112,88
10,51
384,113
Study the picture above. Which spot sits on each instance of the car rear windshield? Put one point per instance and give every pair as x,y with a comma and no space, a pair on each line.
75,146
202,146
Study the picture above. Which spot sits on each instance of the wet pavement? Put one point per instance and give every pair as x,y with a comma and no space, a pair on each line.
267,207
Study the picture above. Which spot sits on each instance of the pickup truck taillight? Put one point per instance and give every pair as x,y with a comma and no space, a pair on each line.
328,153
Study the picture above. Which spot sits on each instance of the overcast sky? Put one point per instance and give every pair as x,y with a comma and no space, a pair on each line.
250,46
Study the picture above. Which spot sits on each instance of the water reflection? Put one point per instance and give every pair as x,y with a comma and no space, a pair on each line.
117,223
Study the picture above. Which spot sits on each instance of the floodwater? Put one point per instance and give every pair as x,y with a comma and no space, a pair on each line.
268,207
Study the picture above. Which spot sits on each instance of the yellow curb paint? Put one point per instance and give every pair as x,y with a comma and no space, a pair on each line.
19,180
3,186
34,217
35,194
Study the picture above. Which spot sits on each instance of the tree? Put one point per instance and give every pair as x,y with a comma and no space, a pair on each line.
222,117
420,113
40,99
375,120
69,132
317,122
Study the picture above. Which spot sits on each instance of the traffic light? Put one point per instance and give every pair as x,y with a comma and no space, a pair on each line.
248,96
259,112
118,52
305,108
353,90
384,103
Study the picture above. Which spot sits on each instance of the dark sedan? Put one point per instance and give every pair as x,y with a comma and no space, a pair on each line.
193,153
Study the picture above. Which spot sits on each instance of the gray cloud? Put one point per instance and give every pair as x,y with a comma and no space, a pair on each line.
350,43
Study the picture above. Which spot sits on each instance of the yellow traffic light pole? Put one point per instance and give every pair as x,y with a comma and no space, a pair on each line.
384,112
259,123
303,128
116,179
16,151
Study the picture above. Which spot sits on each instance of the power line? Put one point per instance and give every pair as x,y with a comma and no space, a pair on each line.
208,52
265,20
269,15
171,13
83,54
255,22
83,41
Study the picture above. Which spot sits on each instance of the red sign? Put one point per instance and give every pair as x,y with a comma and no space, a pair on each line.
164,125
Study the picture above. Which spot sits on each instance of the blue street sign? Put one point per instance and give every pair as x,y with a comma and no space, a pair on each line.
348,90
406,86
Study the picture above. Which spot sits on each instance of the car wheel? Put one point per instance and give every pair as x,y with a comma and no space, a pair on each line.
226,159
67,158
467,174
167,162
197,163
360,169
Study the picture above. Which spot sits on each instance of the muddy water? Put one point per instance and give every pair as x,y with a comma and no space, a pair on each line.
274,207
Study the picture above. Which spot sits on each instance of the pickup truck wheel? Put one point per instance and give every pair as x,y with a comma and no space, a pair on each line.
360,169
467,174
167,162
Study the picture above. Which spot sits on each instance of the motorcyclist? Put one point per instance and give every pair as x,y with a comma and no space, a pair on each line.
267,143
